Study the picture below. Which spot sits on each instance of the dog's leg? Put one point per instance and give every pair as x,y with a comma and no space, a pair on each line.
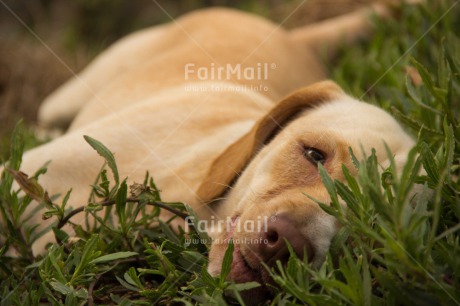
59,109
327,36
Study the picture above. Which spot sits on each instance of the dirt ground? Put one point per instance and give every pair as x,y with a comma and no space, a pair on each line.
44,42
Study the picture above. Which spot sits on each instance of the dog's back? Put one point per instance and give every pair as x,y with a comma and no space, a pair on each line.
195,47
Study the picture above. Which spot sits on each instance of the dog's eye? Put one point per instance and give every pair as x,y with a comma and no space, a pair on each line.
314,156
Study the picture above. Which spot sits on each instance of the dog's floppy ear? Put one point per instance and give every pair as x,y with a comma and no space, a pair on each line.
226,167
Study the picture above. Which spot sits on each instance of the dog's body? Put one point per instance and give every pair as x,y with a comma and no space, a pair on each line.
164,123
199,137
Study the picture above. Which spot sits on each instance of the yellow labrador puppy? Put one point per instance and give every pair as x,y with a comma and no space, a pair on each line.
219,106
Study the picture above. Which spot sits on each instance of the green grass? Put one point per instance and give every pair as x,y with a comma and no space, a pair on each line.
392,249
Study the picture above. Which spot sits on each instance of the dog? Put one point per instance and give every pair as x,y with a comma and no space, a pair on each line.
232,115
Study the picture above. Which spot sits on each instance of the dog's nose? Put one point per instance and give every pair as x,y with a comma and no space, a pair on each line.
279,230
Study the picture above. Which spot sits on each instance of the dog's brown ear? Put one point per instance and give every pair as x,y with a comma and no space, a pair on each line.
227,167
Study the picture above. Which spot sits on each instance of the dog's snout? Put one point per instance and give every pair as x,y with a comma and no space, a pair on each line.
279,230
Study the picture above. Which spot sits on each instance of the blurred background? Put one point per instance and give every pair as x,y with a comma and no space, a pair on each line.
44,42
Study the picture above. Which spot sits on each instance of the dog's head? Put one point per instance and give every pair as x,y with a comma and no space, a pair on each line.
272,167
